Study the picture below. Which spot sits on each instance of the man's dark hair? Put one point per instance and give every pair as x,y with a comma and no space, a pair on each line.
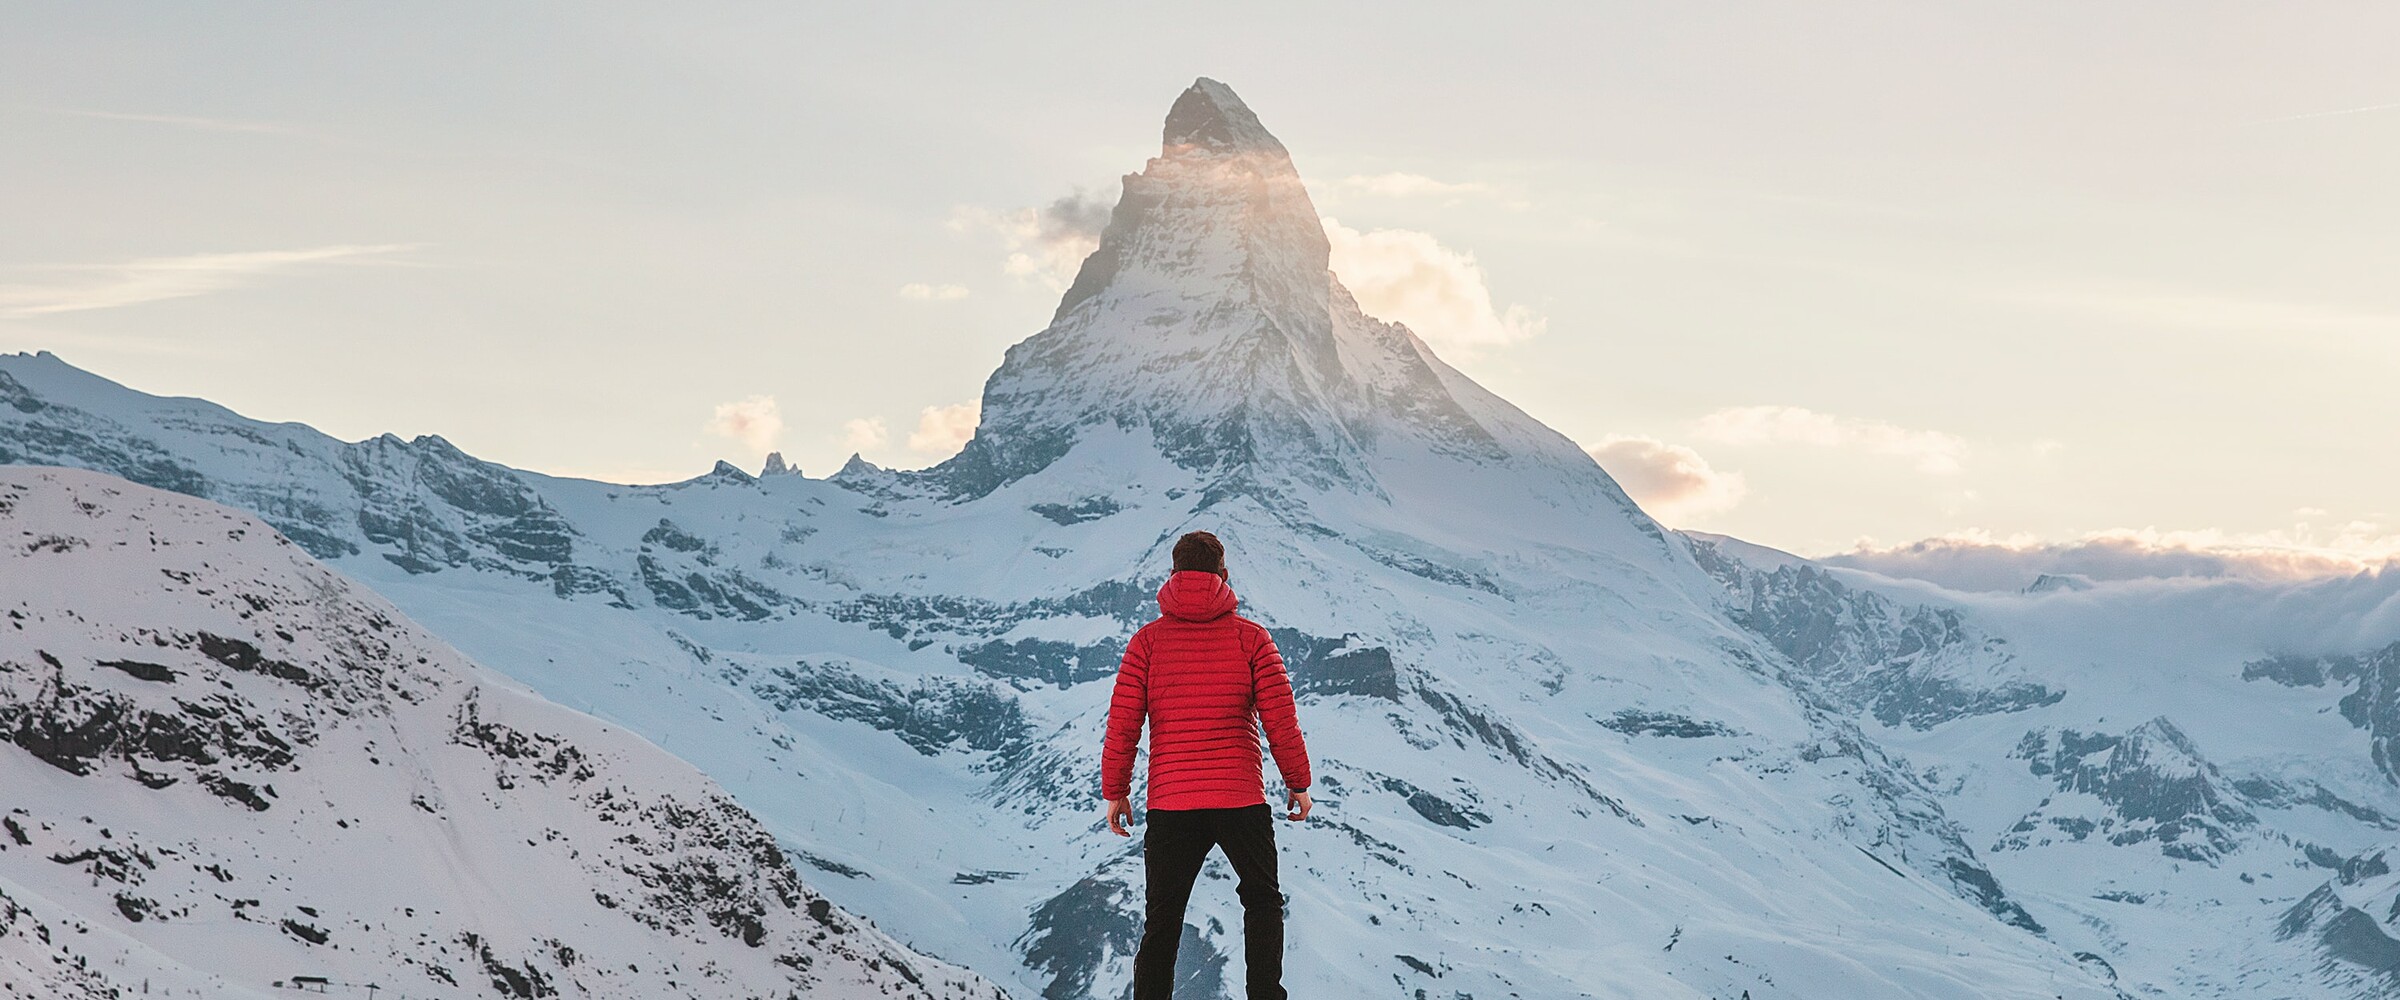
1200,551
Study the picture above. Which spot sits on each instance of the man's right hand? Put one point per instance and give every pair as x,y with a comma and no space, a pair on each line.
1120,812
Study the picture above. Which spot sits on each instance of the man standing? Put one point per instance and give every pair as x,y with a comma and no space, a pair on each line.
1206,679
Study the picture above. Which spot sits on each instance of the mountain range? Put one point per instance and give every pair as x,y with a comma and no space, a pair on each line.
1563,750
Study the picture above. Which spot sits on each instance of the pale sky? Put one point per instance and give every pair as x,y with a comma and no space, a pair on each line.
1806,274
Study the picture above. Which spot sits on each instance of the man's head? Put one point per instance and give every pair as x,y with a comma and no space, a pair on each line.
1202,552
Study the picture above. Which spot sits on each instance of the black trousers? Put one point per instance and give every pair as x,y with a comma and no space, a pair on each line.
1175,843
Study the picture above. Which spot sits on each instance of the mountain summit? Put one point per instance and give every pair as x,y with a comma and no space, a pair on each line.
1209,326
1210,114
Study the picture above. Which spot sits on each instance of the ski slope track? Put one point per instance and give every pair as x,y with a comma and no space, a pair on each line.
1562,751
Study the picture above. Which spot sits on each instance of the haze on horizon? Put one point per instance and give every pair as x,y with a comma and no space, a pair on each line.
1806,277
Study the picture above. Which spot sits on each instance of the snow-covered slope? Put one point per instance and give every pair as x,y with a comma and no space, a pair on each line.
2192,782
224,768
1564,752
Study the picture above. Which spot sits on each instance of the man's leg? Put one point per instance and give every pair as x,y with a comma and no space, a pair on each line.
1248,836
1174,843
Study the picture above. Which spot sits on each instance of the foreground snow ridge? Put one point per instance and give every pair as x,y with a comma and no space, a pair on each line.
232,771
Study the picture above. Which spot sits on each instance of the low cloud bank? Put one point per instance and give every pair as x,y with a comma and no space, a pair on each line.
1977,561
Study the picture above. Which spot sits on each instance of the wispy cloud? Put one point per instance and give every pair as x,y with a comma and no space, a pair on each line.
2217,313
1933,452
755,422
79,287
943,430
865,434
1402,185
2335,113
1046,244
2125,301
1410,278
194,122
1671,481
924,292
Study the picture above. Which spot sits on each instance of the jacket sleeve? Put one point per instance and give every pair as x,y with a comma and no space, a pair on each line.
1271,691
1127,707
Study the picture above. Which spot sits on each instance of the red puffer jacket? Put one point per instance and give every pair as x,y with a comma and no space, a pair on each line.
1206,679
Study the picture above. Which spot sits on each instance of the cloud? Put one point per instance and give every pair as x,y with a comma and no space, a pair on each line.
1933,452
1399,185
1409,278
943,430
755,422
1046,244
79,287
2216,313
2335,113
1671,481
179,121
865,433
1977,560
932,293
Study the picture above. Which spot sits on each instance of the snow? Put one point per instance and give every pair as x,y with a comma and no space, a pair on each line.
404,817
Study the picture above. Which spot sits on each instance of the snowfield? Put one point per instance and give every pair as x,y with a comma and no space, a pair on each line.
1563,751
230,769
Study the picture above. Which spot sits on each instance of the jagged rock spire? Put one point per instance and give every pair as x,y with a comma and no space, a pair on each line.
1221,202
1210,116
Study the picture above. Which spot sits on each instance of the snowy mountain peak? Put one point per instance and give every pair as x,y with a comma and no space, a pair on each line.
2051,582
1209,116
1209,327
1222,200
857,467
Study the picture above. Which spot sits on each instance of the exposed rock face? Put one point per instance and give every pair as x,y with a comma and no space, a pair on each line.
223,751
2150,785
2352,924
1915,666
2373,703
422,504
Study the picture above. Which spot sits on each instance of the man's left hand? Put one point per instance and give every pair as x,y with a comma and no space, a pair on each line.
1300,806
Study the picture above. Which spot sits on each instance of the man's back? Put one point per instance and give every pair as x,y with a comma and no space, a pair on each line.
1204,679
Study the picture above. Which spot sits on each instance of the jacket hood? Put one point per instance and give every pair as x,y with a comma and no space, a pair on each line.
1196,596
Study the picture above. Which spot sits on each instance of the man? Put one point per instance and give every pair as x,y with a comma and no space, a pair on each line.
1206,679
